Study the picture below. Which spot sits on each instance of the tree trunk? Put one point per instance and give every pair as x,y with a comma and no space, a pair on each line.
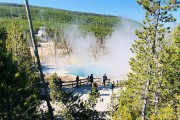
50,109
153,52
145,100
157,97
157,94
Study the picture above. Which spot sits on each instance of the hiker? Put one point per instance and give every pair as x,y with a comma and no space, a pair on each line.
104,79
95,86
91,79
88,80
111,86
60,82
77,81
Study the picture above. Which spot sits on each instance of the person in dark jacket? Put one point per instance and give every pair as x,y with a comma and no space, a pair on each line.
104,79
77,81
60,82
91,79
95,86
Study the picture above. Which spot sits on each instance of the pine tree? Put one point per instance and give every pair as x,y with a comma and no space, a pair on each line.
56,93
147,87
171,85
20,100
7,76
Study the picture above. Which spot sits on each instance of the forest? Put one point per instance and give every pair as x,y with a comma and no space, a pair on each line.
56,20
153,86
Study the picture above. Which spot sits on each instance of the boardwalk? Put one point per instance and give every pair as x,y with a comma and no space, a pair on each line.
105,94
83,91
103,101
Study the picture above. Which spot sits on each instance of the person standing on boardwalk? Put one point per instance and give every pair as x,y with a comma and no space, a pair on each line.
60,82
77,81
111,86
91,79
104,79
95,86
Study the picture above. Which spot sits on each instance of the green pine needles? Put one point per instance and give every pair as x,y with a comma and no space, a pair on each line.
153,85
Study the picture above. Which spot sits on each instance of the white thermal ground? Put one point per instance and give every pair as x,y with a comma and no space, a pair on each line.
101,106
105,94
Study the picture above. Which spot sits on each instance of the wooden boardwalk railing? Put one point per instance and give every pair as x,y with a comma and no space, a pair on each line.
84,81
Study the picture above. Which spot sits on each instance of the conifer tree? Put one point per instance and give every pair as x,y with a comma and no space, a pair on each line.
7,76
147,88
55,88
19,95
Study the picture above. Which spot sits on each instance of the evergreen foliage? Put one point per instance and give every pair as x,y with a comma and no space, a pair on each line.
19,99
55,88
153,84
93,97
56,19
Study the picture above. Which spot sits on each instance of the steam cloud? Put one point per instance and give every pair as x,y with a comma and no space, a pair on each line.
115,63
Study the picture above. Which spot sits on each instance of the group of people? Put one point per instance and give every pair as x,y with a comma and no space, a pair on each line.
94,84
104,79
91,79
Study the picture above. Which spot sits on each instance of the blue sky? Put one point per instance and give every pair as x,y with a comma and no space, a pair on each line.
123,8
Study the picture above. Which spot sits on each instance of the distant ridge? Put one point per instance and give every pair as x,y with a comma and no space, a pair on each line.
57,19
22,5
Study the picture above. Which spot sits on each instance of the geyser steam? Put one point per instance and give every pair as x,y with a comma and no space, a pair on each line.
114,62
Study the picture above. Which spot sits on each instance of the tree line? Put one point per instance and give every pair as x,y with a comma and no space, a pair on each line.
100,25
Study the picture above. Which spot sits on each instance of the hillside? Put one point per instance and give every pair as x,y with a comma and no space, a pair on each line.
56,19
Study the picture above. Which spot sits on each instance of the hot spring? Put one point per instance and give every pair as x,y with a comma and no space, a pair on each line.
114,62
82,71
